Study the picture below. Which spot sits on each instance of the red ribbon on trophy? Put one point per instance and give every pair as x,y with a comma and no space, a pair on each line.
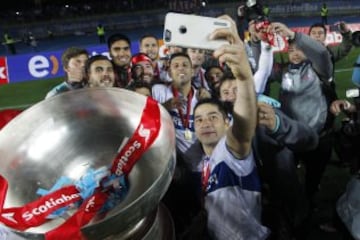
35,213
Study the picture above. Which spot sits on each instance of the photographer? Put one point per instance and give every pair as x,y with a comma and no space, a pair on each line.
348,149
318,32
348,137
349,134
347,207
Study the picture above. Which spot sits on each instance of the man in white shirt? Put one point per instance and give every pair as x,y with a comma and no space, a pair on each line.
231,185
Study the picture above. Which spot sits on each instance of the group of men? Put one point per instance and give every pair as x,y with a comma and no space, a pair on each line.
230,137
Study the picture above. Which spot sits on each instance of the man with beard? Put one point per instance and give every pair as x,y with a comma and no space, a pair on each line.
99,71
142,68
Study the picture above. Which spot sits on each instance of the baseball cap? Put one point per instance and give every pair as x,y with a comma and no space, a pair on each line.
140,57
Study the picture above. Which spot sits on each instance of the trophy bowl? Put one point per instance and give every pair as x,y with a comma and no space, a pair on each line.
66,135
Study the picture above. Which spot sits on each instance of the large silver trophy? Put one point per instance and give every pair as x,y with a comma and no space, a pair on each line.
72,132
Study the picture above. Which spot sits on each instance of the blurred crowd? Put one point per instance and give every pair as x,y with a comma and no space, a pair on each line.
36,11
59,9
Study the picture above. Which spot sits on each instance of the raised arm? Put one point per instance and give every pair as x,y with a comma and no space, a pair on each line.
264,69
317,53
343,49
240,134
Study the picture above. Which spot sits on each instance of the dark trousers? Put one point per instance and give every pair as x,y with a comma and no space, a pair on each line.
12,48
324,20
286,194
315,162
102,38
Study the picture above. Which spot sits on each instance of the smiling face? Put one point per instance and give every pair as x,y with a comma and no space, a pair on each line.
228,89
120,53
101,74
147,71
197,56
318,33
296,56
150,47
210,124
180,71
214,75
76,66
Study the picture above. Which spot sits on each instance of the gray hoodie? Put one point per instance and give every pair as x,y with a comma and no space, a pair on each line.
301,92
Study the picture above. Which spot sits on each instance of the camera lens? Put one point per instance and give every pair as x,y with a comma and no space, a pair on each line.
356,38
182,29
167,36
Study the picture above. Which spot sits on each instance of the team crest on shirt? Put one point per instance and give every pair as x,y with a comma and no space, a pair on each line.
287,82
212,182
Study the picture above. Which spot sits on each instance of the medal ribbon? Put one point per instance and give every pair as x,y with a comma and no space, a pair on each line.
202,78
157,70
184,119
128,70
205,173
34,214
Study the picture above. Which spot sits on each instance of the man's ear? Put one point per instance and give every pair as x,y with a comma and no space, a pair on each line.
227,122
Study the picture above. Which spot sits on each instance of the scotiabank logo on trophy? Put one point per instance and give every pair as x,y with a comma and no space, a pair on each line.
124,159
49,205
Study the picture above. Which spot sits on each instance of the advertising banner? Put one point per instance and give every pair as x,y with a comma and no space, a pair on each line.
41,65
3,71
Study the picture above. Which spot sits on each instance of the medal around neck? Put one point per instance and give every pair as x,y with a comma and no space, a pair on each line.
188,134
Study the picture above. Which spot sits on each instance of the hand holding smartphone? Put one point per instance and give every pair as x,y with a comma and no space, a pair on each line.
192,31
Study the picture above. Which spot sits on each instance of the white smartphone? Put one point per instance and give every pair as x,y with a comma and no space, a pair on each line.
192,31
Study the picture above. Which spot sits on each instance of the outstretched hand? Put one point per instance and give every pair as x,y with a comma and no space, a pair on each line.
266,116
282,30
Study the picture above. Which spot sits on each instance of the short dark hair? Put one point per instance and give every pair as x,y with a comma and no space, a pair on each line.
215,102
179,54
93,59
148,36
208,69
117,37
317,25
72,52
228,75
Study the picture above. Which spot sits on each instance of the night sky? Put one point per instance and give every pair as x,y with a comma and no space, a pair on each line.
25,4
